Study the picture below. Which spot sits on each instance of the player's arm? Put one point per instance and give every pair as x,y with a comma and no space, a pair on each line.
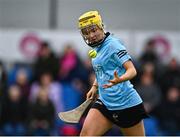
130,71
128,75
92,93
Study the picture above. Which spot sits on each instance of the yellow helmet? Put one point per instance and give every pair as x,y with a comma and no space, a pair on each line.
90,18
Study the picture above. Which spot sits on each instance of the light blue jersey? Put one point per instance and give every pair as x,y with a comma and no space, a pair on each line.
111,56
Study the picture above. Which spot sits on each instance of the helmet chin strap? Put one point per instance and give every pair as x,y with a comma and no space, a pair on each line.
100,42
97,43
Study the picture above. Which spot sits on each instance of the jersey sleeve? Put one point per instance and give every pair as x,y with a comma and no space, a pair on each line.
120,54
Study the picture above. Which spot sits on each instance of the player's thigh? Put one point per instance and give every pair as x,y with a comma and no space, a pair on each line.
136,130
95,124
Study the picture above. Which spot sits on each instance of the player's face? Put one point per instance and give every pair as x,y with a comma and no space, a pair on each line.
92,34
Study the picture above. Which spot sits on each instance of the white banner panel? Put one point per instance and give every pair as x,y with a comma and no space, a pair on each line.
21,45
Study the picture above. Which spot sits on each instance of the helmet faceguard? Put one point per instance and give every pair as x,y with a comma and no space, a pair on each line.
90,21
98,38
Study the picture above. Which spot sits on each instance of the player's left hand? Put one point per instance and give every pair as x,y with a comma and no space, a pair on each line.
114,81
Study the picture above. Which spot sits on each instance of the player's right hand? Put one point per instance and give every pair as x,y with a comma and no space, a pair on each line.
92,93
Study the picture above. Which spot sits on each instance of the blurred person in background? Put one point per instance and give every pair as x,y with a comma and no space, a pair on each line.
150,93
18,67
170,76
46,61
54,89
148,89
14,113
41,114
70,65
149,54
118,101
23,82
73,76
168,112
55,93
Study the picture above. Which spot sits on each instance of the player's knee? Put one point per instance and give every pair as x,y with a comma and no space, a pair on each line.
84,133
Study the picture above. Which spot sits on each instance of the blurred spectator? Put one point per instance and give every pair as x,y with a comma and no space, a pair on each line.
148,89
71,66
53,87
46,62
149,54
23,82
171,76
12,74
150,92
42,114
14,113
168,112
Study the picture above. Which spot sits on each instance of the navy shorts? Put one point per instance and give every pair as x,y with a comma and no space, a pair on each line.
124,118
